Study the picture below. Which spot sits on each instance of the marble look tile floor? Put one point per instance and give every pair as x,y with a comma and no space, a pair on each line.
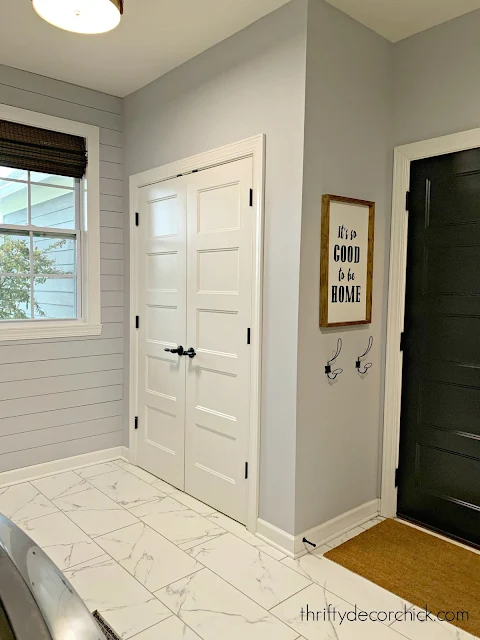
160,565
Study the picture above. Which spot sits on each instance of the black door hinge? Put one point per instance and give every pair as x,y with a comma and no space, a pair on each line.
137,218
407,201
136,422
251,197
137,322
248,335
246,470
396,477
402,341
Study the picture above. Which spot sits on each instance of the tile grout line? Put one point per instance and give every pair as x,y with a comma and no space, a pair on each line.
164,495
78,527
58,510
242,540
132,576
292,596
148,527
136,579
144,523
252,545
86,480
184,550
269,611
204,567
231,585
154,597
71,567
239,590
139,519
174,615
154,625
60,496
120,506
342,597
325,589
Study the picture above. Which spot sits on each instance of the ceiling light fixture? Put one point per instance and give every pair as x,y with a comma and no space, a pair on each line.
81,16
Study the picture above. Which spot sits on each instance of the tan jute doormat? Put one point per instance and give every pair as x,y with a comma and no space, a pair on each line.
419,567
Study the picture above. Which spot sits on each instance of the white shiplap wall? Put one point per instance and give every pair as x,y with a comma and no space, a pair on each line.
61,398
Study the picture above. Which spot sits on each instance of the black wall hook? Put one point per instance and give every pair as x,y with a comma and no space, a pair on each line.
369,365
331,375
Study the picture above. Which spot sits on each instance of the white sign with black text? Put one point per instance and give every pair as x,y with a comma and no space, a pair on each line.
346,287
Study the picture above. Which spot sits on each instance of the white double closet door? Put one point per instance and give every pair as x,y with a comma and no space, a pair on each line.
195,259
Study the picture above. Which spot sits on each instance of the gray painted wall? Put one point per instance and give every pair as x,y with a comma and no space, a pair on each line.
64,397
60,398
436,81
252,83
348,152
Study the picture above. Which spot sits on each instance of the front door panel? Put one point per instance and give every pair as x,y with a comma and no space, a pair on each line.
439,480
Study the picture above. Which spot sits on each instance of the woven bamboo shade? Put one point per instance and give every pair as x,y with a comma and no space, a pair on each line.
42,150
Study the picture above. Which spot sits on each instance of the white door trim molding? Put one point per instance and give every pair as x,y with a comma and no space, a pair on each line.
403,156
255,148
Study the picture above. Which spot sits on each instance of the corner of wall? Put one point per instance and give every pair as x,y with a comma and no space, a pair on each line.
251,83
348,125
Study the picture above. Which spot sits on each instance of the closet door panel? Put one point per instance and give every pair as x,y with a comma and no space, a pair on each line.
162,308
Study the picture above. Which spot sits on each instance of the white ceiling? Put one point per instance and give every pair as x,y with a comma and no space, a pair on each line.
398,19
156,36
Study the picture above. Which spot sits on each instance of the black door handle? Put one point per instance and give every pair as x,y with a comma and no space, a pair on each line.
190,353
178,350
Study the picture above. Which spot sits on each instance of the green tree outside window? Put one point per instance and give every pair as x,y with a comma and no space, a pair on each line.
15,292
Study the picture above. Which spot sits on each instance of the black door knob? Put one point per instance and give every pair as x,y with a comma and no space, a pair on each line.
190,353
178,350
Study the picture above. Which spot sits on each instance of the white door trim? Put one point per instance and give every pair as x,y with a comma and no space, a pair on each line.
254,148
403,156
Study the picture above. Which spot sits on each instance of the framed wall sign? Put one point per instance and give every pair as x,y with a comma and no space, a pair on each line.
346,261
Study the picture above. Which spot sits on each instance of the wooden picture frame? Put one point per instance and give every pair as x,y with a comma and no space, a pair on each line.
346,266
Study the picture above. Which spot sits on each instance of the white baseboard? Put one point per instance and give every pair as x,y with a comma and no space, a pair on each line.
125,453
57,466
323,533
293,546
276,537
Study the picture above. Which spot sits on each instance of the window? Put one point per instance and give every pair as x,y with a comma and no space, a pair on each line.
49,226
40,246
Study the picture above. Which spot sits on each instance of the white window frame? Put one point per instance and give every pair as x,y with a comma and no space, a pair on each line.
90,322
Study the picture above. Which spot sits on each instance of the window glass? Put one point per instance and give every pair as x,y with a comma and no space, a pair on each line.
55,298
13,174
15,298
13,202
38,246
53,207
48,178
14,252
54,255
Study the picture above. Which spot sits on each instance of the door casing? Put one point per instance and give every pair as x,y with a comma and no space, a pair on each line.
403,156
255,148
